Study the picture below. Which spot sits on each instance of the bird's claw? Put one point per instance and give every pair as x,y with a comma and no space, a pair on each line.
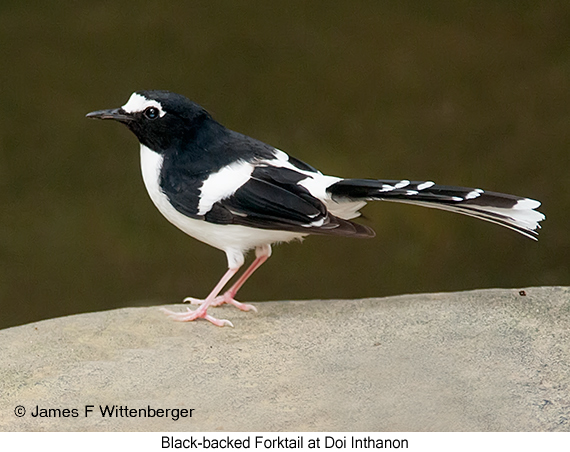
220,300
190,315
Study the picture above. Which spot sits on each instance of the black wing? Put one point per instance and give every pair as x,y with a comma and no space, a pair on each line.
273,199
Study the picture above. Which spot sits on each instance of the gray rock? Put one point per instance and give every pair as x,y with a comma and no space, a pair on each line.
490,360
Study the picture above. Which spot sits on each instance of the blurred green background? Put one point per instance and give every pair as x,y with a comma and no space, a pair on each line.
461,93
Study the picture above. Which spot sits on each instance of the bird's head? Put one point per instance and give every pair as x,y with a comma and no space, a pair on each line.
159,119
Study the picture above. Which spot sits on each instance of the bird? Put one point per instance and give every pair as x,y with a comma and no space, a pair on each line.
238,194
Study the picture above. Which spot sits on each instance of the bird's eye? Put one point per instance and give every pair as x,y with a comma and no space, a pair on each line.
151,113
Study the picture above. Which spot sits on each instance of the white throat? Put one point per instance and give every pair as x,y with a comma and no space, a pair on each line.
151,164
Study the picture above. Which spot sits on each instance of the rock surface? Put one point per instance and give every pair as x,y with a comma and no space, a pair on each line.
485,360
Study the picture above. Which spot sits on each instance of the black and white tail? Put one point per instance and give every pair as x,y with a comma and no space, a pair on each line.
509,211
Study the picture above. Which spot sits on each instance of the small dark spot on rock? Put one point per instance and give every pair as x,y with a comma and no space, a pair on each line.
376,344
522,293
545,403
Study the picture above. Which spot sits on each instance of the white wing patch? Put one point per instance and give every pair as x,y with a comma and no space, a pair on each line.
316,183
223,184
138,103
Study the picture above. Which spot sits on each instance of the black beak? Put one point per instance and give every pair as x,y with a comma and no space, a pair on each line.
118,114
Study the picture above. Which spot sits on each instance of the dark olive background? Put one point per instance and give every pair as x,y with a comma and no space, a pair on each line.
461,93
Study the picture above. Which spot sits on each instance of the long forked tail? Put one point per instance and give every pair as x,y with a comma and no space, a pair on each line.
509,211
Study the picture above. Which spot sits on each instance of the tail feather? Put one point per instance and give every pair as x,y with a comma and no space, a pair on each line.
513,212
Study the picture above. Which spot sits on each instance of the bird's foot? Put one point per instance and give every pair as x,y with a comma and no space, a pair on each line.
223,299
199,313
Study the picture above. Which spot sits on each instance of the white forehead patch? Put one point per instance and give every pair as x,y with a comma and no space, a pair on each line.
138,103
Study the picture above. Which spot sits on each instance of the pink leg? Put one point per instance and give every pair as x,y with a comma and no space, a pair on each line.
231,293
262,254
201,313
